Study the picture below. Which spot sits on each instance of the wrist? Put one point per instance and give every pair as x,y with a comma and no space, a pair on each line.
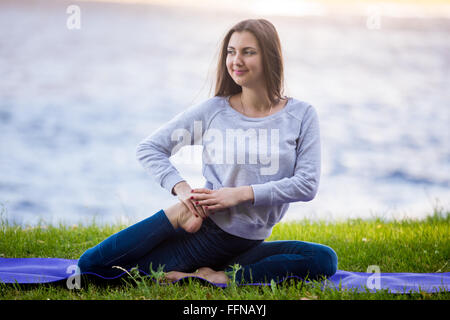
180,186
246,193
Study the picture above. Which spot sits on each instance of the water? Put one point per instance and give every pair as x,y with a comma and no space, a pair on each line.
74,104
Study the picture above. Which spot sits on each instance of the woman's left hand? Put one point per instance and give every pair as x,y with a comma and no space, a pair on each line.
213,200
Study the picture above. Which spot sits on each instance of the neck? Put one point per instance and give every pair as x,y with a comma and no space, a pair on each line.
256,101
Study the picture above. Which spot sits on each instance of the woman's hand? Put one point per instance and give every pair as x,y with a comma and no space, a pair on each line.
222,198
184,193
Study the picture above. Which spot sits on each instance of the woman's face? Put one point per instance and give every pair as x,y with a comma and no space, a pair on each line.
243,53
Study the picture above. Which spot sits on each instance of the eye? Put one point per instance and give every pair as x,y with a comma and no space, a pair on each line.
247,52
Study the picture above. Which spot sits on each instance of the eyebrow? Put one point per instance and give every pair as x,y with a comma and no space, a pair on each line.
244,48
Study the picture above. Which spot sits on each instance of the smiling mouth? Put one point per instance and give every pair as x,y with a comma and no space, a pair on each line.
238,72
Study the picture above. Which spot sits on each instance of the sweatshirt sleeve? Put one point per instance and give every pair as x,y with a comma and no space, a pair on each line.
154,151
304,184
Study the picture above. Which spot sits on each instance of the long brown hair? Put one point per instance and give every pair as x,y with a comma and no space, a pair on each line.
272,59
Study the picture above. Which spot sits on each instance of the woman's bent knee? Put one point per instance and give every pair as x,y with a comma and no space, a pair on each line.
327,260
333,262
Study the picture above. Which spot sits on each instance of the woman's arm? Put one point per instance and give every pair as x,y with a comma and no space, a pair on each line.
155,150
303,185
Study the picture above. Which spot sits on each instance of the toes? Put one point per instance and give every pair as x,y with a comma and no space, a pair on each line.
168,277
172,276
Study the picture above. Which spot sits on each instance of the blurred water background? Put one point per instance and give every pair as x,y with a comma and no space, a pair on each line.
74,103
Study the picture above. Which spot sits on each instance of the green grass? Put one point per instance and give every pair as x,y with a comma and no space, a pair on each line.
394,246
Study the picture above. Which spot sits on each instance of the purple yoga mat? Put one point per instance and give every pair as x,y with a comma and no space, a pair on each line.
46,270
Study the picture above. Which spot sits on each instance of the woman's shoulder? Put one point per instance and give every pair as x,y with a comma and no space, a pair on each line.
211,103
299,103
204,108
300,108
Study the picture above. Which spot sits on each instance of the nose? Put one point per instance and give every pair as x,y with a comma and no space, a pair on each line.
237,59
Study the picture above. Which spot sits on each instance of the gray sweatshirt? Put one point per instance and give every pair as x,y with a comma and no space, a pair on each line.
279,156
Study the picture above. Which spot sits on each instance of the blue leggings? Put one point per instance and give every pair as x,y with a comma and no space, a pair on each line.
153,241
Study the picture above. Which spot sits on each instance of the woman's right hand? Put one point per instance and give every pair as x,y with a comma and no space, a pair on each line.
184,194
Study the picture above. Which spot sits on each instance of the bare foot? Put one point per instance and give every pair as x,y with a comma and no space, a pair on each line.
204,272
189,222
180,217
176,275
213,276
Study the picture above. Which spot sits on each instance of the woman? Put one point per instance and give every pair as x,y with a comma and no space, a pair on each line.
246,193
